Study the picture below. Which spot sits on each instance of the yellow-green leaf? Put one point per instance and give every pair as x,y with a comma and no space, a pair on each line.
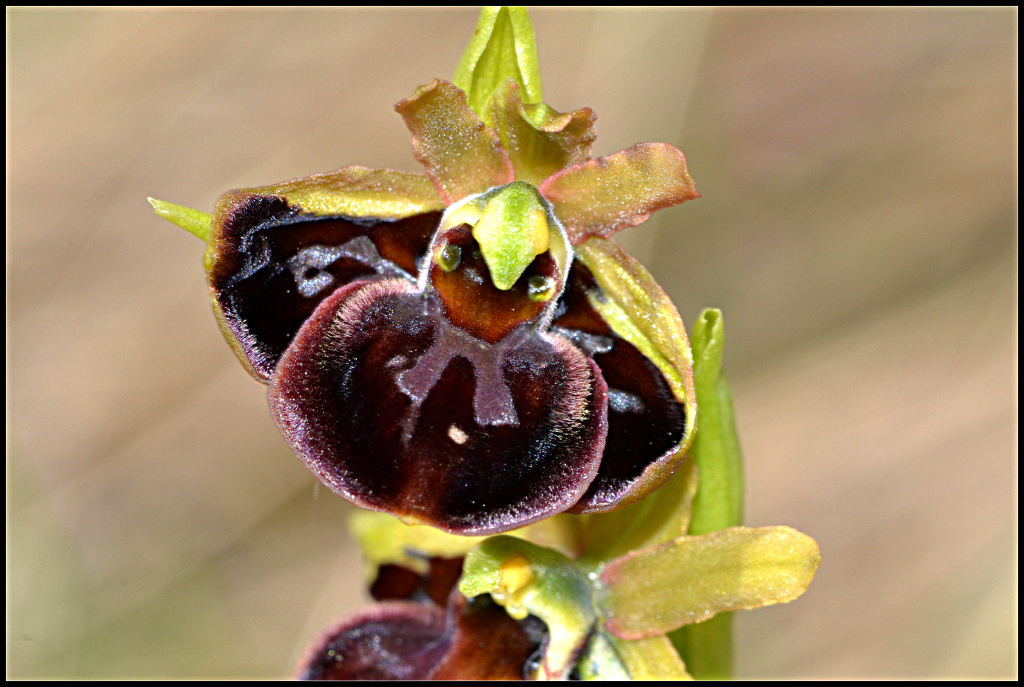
716,448
693,578
707,647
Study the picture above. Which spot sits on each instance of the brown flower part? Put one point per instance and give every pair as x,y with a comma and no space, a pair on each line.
433,349
399,583
471,640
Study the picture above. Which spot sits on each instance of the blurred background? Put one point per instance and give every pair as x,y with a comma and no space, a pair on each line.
858,228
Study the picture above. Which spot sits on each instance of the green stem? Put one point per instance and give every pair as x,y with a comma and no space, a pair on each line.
706,647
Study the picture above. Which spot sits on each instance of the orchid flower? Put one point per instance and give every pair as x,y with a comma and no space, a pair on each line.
464,348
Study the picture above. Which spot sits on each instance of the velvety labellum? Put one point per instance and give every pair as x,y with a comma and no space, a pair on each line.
397,409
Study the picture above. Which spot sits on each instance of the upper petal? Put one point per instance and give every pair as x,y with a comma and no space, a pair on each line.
600,197
276,251
461,154
538,139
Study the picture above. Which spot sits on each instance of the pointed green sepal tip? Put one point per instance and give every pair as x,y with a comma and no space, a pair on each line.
195,222
512,231
503,46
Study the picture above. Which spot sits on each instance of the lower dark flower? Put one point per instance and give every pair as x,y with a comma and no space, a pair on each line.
411,636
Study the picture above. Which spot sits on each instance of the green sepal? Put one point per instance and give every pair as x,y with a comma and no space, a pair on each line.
503,46
639,311
532,580
384,538
195,222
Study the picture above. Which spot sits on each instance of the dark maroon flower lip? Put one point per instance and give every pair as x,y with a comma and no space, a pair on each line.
399,640
397,410
392,641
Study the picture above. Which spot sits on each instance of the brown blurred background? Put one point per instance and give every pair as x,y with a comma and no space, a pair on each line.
858,229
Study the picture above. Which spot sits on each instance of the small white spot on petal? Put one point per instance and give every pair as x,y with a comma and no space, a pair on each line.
457,435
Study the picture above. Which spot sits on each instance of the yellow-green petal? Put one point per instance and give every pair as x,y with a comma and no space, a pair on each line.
600,197
692,578
358,192
461,155
195,222
538,139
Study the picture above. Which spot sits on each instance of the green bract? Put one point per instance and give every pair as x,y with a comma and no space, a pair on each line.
503,47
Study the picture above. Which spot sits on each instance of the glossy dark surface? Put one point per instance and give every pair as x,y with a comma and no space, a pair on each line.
645,421
274,265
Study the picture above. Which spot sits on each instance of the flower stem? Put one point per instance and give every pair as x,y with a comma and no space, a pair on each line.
706,647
